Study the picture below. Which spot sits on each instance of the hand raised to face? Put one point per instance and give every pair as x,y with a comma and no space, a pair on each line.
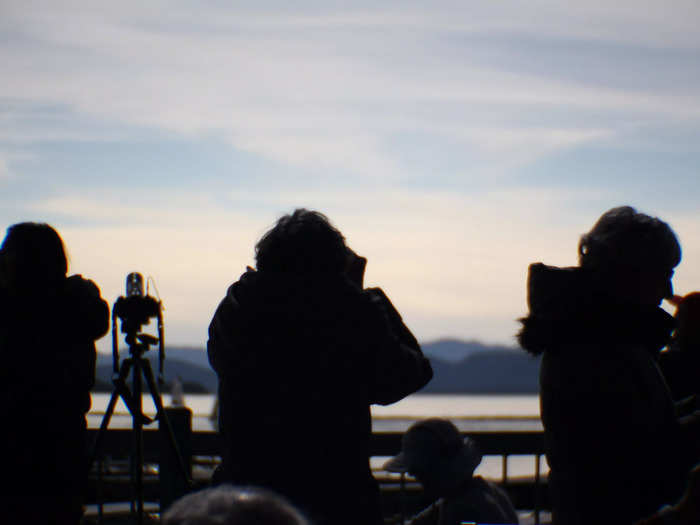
355,268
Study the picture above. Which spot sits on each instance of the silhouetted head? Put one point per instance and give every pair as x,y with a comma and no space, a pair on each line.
303,242
229,505
633,254
32,257
434,452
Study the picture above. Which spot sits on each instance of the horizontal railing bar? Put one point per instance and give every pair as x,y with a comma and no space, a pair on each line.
208,443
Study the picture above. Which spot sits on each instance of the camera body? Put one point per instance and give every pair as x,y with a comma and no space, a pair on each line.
134,284
135,309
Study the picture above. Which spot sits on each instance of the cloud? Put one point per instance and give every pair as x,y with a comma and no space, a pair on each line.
648,21
4,170
166,139
453,263
328,86
8,159
439,256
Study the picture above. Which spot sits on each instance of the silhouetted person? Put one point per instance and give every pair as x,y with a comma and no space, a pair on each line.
48,325
680,362
434,452
229,505
613,441
302,351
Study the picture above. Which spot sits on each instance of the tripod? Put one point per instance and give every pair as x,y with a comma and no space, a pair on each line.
135,311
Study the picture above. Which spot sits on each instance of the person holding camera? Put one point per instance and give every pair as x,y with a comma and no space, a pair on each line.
302,350
616,449
48,326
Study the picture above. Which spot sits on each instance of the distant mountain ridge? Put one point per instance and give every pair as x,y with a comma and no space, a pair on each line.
454,350
190,365
459,367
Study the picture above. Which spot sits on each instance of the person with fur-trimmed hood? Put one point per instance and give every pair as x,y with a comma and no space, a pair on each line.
613,441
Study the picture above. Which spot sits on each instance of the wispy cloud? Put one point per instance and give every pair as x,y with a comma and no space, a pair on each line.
453,143
319,85
440,256
4,170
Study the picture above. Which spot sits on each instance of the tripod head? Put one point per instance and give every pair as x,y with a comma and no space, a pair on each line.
135,310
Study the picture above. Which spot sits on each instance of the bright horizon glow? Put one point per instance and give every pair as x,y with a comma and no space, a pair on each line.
453,145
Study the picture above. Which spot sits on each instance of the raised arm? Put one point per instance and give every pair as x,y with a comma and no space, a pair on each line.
400,368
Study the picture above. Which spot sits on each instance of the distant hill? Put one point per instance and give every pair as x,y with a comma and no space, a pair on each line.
189,364
459,367
475,368
456,350
496,372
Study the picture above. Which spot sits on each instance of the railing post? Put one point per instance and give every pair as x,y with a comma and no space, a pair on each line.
100,498
538,459
172,483
403,498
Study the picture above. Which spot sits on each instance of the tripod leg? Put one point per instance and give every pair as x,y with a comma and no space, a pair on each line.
118,391
131,400
137,460
162,416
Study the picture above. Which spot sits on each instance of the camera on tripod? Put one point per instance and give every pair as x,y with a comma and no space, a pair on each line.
136,310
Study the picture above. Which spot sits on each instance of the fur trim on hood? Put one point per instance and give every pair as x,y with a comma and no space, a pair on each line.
566,306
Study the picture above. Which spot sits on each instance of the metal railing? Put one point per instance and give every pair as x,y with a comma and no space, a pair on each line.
206,444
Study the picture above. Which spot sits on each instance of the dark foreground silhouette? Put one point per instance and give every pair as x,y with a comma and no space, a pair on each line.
302,351
616,449
229,505
48,325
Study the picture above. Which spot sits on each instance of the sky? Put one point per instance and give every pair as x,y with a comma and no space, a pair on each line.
452,142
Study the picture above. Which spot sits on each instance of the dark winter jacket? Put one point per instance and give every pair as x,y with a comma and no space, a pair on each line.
681,368
612,436
477,501
300,359
47,343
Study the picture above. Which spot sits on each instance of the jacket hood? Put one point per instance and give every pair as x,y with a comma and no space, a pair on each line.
297,295
568,306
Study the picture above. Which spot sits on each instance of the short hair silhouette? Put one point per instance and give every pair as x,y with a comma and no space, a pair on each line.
230,505
303,242
38,253
623,237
